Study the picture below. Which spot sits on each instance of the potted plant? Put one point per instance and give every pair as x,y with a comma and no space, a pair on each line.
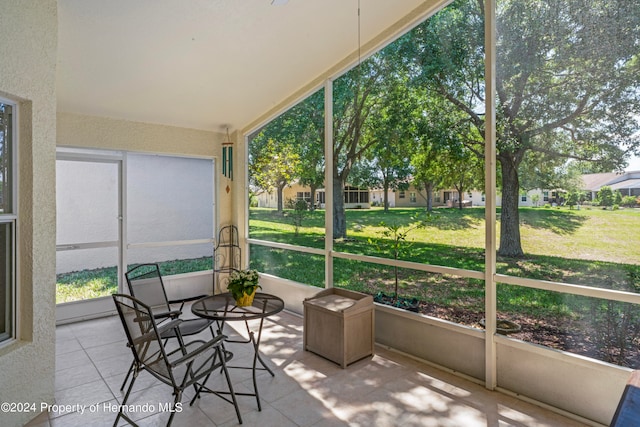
243,285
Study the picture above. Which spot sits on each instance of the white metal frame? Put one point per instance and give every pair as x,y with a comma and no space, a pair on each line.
86,309
97,306
11,218
492,279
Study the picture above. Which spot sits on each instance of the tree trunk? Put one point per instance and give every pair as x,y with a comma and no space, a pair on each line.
385,197
280,188
312,201
339,216
460,198
429,187
510,245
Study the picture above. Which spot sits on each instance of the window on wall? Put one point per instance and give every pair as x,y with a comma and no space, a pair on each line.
412,197
8,219
303,195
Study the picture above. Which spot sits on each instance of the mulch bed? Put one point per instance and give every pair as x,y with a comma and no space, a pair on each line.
573,338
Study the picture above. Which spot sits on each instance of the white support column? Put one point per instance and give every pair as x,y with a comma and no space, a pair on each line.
490,192
240,192
328,183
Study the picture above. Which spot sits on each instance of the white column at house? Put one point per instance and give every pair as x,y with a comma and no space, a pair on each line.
490,188
328,180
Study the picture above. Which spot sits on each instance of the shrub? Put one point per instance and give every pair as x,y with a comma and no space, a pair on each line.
290,203
629,201
606,196
615,207
616,324
617,197
300,209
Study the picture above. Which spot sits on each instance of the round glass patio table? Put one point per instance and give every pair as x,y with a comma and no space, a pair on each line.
222,308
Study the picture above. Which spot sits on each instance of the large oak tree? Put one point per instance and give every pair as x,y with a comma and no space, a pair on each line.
566,77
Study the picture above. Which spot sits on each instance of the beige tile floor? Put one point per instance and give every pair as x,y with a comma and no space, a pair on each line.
387,389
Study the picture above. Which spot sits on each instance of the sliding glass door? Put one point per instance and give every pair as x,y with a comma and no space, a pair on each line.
119,209
89,229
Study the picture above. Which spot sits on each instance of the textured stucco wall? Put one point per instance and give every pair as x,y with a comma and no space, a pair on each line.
28,43
76,130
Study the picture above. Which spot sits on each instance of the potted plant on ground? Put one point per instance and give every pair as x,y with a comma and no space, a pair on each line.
243,285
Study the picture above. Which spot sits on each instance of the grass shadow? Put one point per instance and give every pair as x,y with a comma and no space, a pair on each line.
562,222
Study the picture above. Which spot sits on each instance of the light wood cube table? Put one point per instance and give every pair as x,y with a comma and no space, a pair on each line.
339,325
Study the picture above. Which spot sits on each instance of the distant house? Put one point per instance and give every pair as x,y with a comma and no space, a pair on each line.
294,191
409,198
628,183
354,198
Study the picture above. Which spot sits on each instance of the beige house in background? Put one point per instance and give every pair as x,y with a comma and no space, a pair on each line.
410,198
354,198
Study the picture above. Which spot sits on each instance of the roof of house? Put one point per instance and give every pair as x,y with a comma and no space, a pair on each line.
593,181
616,180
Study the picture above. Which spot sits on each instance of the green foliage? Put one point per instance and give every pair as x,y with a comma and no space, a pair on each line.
273,165
554,100
575,198
253,199
617,197
394,242
535,198
300,209
629,201
243,282
101,282
86,284
616,325
605,196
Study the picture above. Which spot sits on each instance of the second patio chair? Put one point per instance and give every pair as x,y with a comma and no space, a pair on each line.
145,284
184,365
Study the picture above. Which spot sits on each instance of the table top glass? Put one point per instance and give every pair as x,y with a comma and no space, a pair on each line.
223,307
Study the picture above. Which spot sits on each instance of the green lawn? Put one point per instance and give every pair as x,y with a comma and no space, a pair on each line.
588,233
590,247
587,247
87,284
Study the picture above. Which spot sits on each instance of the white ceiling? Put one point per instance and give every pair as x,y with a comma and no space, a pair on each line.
205,64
